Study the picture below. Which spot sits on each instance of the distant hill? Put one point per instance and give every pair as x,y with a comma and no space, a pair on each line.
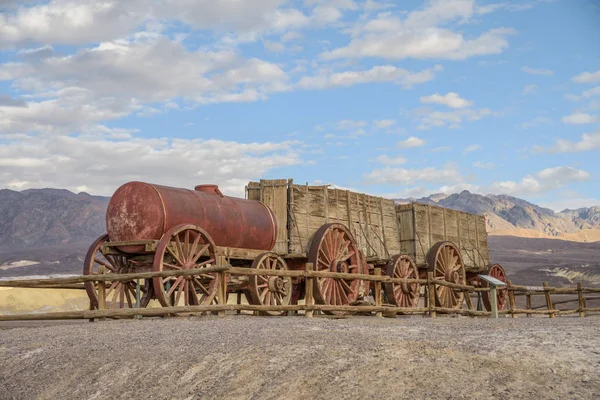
49,217
507,215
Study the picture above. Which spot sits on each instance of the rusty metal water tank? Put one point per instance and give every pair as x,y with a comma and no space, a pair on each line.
144,211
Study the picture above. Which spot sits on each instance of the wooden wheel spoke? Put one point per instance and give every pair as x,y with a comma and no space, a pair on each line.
179,248
212,260
172,266
201,286
200,253
106,264
326,258
175,285
175,256
347,256
194,295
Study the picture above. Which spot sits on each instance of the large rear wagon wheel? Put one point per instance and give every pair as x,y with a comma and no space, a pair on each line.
333,249
119,294
185,246
445,262
496,271
268,290
402,294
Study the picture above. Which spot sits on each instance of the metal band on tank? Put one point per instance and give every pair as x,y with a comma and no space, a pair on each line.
274,221
162,203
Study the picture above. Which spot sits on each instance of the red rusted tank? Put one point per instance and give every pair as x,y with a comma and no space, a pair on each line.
144,211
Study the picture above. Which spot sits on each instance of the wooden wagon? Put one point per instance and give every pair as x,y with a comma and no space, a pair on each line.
406,240
335,230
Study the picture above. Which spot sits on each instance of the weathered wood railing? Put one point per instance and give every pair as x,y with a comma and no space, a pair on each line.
309,306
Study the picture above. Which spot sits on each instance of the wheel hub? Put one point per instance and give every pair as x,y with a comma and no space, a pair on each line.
276,284
405,288
452,276
338,266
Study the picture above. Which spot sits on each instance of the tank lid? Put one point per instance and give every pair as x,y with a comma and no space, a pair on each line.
209,188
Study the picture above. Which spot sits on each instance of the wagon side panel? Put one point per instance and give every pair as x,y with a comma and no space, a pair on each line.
423,234
482,236
406,230
451,218
274,194
389,222
466,234
253,191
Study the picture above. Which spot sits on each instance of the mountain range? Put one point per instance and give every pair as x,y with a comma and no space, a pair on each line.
50,217
511,216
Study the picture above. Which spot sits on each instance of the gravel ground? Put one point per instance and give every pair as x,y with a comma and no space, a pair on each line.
249,357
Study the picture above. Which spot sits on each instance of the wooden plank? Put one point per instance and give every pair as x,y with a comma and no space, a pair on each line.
237,253
274,194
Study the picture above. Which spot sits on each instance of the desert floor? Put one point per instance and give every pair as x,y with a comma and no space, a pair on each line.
250,357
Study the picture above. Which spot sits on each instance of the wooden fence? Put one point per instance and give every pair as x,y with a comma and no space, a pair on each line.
309,306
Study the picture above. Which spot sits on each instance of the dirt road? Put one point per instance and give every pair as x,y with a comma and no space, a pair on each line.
244,357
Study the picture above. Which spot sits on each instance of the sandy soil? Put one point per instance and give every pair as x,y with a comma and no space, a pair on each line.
295,358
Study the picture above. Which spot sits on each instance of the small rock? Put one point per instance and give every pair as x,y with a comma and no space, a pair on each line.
585,379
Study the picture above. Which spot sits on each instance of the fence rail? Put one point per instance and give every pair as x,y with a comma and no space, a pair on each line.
309,306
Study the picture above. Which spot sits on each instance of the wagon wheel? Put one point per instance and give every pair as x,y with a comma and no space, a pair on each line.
402,294
334,249
120,294
496,271
445,262
270,290
183,247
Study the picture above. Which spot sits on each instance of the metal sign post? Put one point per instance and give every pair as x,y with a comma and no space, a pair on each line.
494,283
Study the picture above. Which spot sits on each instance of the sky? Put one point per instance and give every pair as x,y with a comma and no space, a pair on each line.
392,98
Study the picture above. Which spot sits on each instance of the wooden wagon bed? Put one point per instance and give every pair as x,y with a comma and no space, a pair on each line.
381,228
302,209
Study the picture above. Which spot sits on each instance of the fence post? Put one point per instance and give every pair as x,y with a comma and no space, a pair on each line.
378,292
581,300
493,301
528,299
511,299
308,297
101,292
138,296
239,301
467,295
431,294
548,299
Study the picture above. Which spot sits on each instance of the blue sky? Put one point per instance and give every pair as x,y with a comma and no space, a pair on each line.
397,99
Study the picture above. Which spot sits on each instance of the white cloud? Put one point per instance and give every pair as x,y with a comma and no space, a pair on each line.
71,22
587,77
580,118
350,124
484,165
488,8
589,141
403,176
387,160
537,121
471,148
451,99
420,35
529,89
544,181
411,142
377,74
453,119
102,164
537,71
384,123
